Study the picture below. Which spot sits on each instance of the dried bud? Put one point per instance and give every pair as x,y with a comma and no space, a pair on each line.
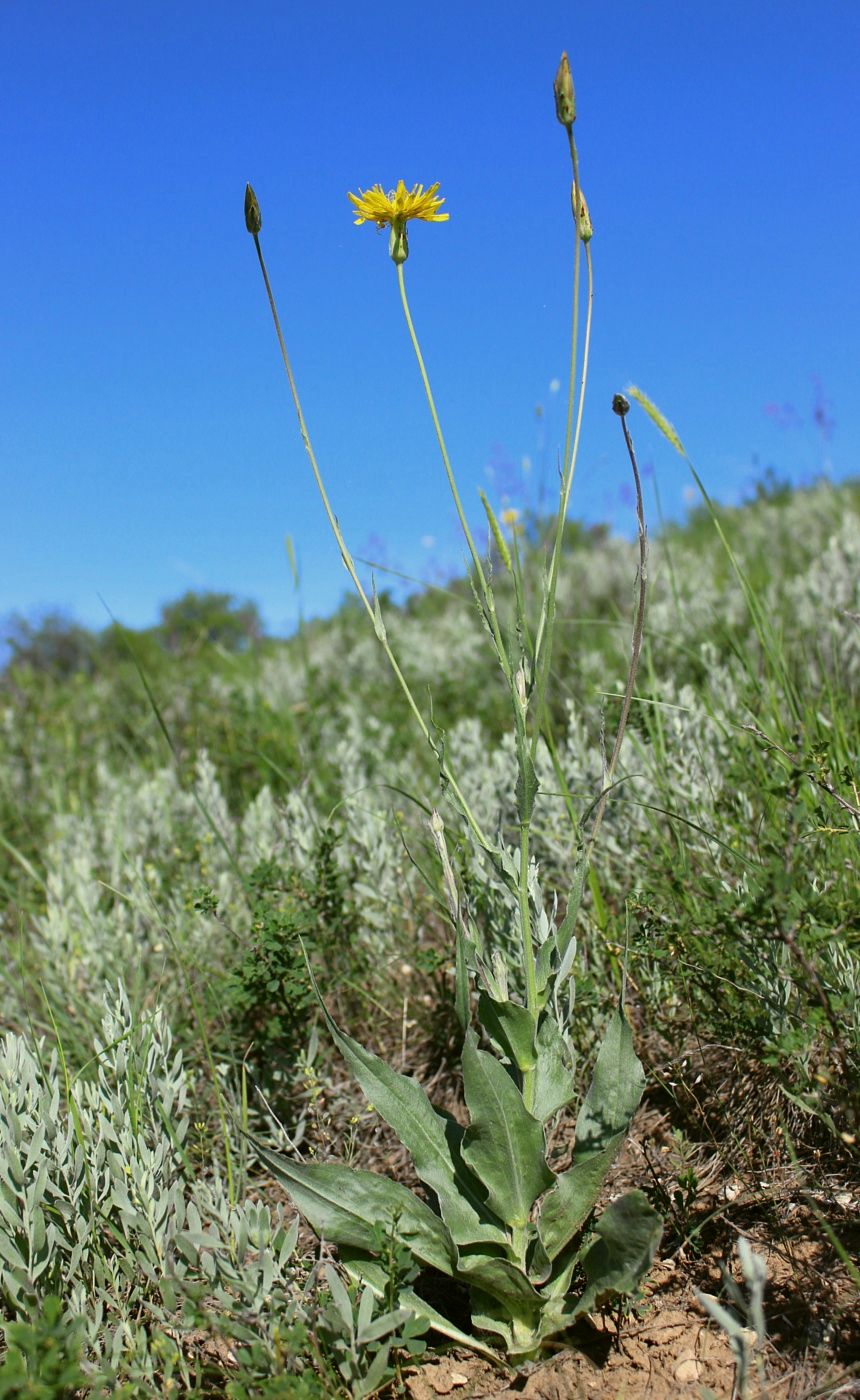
253,217
522,688
565,97
620,405
586,229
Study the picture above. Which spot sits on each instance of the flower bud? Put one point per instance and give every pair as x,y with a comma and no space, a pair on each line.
620,405
584,221
522,688
565,97
398,243
253,217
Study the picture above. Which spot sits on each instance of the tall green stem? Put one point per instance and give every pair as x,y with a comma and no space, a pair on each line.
373,612
486,591
638,630
546,624
574,336
529,1080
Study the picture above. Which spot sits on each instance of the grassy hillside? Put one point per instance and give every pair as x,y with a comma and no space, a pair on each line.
181,809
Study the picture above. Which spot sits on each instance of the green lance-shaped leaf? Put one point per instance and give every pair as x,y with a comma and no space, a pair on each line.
495,527
554,1082
564,936
504,1144
433,1139
628,1233
347,1205
500,1278
511,1028
614,1093
527,785
462,1006
489,1315
602,1123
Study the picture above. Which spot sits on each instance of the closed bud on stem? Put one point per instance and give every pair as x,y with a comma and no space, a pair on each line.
583,219
253,217
565,97
398,243
522,691
437,826
620,405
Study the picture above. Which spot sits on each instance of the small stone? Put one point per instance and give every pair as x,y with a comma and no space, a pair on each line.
686,1370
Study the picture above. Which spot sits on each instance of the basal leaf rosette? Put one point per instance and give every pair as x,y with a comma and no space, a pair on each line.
520,1237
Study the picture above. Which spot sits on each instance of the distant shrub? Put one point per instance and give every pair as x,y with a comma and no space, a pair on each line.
52,644
215,618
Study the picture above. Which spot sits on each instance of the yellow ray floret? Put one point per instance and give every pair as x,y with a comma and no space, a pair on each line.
374,206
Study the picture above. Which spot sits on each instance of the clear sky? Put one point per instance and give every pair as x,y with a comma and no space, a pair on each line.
147,443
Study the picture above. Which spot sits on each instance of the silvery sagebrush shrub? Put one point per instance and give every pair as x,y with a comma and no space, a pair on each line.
359,1338
502,1222
101,1207
122,872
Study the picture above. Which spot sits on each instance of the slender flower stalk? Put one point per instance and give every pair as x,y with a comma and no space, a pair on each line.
395,210
565,105
517,685
253,222
486,591
546,624
621,407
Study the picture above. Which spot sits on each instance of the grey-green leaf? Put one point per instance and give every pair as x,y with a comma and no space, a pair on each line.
500,1278
601,1126
628,1233
511,1029
461,979
432,1138
504,1144
347,1205
614,1093
554,1080
566,1207
527,786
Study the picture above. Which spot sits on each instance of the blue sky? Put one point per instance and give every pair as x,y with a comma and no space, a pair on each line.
146,438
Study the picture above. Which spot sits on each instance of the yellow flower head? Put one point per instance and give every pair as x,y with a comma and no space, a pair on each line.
395,209
376,207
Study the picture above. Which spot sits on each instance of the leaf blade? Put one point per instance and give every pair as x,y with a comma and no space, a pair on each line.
347,1205
602,1124
430,1137
629,1232
504,1144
